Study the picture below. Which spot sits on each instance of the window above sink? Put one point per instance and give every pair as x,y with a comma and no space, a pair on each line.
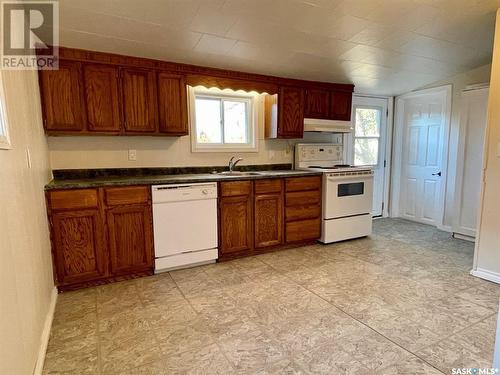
223,120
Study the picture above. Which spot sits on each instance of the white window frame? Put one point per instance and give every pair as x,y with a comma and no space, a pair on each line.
379,138
4,123
214,93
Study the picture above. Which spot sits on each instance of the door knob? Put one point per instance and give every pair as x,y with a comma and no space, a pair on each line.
437,174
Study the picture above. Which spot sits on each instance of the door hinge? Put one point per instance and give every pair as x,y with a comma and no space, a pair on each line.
385,163
383,205
387,112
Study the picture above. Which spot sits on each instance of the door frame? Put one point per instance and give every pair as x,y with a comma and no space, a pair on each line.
348,140
462,135
399,132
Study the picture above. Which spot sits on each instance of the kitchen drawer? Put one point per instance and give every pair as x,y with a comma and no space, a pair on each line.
303,183
268,186
303,230
71,199
235,188
302,212
303,198
126,195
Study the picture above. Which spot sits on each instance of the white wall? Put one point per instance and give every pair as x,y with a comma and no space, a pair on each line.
26,283
458,82
487,258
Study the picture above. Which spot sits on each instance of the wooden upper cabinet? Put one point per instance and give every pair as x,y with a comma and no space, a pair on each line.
62,99
139,100
172,104
340,105
101,95
317,104
290,112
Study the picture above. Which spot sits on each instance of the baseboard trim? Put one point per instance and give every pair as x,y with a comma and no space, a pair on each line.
44,342
445,228
464,237
486,275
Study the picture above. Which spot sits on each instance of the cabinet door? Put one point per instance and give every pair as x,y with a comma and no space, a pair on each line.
268,220
291,112
317,104
78,246
236,224
139,100
172,104
340,105
61,94
101,96
130,236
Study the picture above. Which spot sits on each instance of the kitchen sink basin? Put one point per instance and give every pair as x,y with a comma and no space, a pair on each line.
239,173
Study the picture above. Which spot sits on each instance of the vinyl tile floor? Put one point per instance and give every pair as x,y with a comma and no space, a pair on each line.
398,302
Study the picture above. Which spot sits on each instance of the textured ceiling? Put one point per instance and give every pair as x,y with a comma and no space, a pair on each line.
382,46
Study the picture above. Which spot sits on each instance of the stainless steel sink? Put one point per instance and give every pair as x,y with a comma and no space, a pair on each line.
239,173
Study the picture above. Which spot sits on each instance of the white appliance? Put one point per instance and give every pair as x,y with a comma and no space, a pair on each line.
329,126
185,225
347,191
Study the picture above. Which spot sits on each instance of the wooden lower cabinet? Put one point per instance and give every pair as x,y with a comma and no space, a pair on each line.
302,209
303,230
236,229
78,246
268,216
130,239
268,220
100,235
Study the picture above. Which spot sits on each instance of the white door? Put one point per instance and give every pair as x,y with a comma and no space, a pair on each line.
367,146
422,157
474,106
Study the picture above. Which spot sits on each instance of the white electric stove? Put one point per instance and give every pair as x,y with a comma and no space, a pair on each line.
347,191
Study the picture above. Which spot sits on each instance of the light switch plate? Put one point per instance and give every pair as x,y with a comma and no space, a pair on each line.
132,155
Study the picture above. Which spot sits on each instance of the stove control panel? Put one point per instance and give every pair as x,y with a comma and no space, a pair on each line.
328,153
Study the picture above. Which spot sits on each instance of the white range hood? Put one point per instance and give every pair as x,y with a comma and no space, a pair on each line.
327,126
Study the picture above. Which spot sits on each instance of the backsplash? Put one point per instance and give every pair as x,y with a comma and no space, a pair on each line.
112,152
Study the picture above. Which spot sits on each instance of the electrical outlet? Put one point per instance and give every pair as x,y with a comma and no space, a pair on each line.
132,155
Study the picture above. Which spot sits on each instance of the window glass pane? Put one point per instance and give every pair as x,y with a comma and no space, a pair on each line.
366,151
235,122
208,120
367,122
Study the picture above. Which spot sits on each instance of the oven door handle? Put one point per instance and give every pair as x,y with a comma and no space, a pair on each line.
346,178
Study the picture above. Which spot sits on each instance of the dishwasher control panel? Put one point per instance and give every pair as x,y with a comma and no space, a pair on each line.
181,192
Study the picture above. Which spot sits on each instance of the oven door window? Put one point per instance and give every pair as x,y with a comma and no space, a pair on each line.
353,188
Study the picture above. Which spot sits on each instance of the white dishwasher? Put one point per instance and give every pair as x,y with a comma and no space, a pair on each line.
185,225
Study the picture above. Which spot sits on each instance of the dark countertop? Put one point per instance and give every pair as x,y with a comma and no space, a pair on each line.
158,179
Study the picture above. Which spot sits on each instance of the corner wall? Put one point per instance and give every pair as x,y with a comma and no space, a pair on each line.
26,282
487,257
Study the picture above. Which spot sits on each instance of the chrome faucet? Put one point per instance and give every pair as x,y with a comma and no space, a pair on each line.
232,163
